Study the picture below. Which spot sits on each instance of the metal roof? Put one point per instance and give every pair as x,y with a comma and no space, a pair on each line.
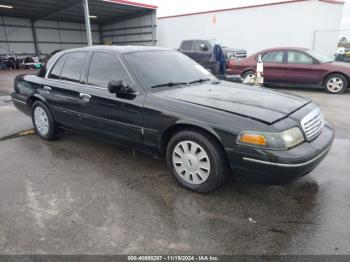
251,6
107,11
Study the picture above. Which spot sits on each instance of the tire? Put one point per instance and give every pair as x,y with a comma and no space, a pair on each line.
246,74
44,124
335,84
205,165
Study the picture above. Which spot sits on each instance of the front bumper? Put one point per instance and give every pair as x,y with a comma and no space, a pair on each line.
279,167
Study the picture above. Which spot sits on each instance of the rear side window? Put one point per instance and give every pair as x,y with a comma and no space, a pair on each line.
296,57
105,67
186,45
73,66
57,68
273,57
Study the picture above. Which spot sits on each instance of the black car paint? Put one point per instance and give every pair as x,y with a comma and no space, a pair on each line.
146,121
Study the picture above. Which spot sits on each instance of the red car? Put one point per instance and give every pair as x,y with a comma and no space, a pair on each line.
295,67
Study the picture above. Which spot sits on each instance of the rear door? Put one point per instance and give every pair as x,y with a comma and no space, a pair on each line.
275,68
302,69
105,114
62,86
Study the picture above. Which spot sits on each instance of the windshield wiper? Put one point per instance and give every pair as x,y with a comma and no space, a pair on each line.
170,84
199,81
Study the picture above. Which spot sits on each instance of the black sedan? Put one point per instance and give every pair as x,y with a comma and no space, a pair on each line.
159,101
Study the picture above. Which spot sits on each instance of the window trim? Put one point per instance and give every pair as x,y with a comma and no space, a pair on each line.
82,68
53,65
275,51
86,84
86,68
287,56
65,60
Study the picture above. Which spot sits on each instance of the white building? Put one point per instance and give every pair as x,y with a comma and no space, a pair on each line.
302,23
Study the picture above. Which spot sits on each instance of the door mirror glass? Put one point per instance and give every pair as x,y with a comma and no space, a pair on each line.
204,47
121,89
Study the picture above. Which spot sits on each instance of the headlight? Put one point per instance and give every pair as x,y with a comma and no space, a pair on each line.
274,141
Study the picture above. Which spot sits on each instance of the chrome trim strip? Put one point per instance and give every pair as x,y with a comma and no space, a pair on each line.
286,165
313,123
18,101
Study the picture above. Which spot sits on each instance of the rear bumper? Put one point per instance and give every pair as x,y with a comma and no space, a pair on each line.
279,167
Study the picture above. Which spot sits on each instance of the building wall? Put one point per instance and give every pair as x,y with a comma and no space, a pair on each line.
136,31
16,35
288,24
54,35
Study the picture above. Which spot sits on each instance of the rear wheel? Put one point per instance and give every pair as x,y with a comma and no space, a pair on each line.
197,161
248,77
43,122
335,84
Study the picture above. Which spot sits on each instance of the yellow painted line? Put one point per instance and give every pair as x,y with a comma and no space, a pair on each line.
26,133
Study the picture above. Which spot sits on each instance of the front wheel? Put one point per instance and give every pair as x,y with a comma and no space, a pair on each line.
335,84
43,122
197,161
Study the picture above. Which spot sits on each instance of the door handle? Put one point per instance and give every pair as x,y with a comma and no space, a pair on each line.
85,97
47,89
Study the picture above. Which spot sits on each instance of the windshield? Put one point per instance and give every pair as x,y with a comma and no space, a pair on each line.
154,68
319,57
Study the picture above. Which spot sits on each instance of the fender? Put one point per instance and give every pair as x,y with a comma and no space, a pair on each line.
37,96
201,125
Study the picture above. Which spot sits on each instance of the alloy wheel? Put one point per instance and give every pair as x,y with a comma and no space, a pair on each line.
335,84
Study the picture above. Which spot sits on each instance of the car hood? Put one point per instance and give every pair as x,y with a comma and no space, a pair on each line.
257,103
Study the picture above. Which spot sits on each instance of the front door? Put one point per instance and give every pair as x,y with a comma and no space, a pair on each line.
187,48
201,56
303,69
105,114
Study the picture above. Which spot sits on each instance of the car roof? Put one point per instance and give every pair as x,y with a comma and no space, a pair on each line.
283,48
119,48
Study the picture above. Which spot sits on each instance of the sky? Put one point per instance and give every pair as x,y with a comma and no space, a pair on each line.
173,7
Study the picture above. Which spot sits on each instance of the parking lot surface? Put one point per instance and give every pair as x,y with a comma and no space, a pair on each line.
78,195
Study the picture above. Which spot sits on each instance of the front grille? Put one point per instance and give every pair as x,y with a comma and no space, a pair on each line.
313,124
240,54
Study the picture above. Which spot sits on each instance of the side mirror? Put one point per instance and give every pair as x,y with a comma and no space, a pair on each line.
204,47
121,89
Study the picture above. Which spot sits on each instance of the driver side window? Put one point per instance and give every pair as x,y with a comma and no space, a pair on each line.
105,67
197,45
